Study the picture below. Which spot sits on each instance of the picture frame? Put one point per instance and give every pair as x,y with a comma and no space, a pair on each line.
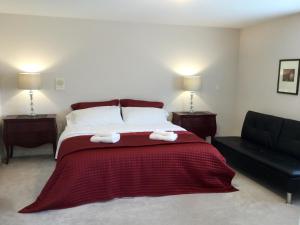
288,76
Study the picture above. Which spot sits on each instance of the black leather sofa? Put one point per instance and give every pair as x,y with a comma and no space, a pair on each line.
269,147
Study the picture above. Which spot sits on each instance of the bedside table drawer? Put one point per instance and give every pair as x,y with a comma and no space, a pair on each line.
25,127
198,123
30,139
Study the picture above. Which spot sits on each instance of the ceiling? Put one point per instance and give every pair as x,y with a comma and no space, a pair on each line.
219,13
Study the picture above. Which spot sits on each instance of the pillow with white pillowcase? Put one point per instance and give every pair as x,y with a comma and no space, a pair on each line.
144,115
101,115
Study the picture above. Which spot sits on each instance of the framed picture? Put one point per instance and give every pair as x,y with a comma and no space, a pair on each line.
288,76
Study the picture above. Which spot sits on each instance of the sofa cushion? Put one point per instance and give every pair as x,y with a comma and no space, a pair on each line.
275,160
262,129
289,139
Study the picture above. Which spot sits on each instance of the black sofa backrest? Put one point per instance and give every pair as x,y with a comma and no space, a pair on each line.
289,139
262,129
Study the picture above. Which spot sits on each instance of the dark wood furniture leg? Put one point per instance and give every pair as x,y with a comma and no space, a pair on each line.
11,151
54,148
7,147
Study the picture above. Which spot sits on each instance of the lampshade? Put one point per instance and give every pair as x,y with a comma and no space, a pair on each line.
29,81
191,83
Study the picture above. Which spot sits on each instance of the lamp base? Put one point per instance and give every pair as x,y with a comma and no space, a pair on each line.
191,102
32,113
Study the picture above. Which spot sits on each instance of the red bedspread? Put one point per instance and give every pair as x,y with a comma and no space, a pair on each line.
136,166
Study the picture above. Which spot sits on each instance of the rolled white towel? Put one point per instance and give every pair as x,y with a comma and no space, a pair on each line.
171,137
163,133
108,139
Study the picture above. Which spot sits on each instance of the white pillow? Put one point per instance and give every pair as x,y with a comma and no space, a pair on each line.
144,115
101,115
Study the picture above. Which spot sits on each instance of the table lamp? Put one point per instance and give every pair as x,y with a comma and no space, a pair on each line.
191,84
30,82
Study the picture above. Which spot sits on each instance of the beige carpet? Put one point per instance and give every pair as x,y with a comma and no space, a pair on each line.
254,204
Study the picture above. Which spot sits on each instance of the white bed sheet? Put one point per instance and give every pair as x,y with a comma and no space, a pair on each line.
78,130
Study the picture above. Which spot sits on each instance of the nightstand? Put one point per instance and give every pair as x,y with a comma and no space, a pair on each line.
203,124
28,131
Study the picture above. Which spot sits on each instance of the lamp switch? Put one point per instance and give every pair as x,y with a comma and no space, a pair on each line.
59,83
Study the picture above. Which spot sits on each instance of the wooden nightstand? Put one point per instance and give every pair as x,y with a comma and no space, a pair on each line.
202,124
28,131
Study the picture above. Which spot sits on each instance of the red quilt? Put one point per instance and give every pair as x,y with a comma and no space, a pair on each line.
135,166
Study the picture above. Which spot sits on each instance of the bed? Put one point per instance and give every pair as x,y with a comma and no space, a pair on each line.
135,166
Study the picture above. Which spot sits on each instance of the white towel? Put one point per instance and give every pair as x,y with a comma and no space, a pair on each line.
163,133
171,137
108,139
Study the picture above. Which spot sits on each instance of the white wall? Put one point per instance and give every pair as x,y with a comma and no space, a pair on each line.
105,60
261,48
